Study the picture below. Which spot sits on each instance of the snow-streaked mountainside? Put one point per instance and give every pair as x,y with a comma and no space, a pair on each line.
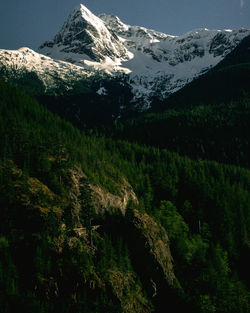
157,64
52,73
163,63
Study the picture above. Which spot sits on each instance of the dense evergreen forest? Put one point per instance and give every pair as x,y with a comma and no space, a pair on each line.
215,132
63,249
208,118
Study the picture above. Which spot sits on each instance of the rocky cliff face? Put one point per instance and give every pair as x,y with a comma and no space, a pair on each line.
146,239
63,222
85,36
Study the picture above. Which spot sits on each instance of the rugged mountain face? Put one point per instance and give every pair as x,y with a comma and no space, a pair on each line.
158,63
155,64
84,38
162,64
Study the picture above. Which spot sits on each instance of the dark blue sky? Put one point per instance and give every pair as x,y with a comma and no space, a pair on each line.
31,22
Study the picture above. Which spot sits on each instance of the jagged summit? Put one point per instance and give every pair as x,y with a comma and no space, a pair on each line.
83,9
114,23
84,36
82,14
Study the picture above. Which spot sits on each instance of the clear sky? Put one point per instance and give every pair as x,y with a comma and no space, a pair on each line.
30,22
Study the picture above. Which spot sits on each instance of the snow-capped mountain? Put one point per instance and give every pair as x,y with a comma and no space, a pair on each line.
156,64
162,63
85,40
52,73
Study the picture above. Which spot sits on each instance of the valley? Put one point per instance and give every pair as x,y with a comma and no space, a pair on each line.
124,170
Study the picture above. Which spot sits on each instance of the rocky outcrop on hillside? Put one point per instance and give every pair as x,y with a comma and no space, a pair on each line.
73,231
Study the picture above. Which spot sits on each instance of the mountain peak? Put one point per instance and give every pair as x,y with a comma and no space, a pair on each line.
84,36
84,10
81,7
82,13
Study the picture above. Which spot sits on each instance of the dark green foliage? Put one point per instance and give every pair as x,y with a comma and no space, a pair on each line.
84,106
46,266
215,132
26,80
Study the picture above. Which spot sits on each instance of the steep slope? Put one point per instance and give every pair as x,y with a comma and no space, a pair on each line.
94,225
238,56
85,40
228,80
208,118
162,63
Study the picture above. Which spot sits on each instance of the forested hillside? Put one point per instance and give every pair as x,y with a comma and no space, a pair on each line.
209,118
91,224
215,132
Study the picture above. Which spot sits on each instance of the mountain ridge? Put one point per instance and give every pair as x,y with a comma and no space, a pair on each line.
207,118
155,64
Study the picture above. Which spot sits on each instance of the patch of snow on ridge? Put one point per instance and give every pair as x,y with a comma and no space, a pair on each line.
108,66
49,71
102,91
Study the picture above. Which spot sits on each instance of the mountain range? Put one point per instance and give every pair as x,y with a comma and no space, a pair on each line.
91,48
